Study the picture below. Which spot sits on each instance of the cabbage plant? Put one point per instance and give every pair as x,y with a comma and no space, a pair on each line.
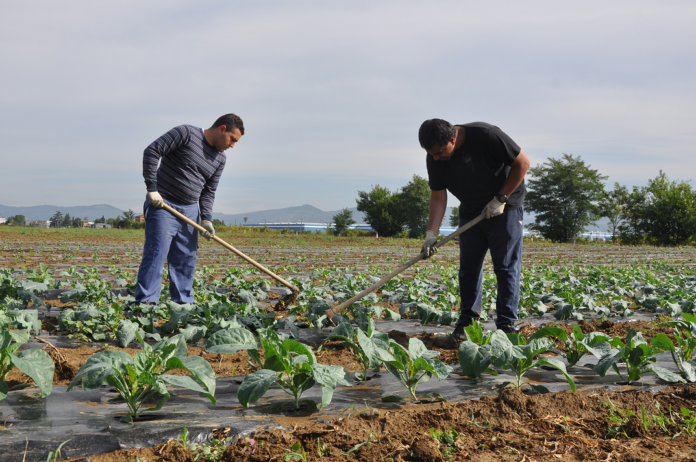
369,348
684,353
35,363
415,365
509,351
293,367
145,376
638,356
578,343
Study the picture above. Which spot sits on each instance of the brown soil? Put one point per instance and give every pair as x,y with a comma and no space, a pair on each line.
511,427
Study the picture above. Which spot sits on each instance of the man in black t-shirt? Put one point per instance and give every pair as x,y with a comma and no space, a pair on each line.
483,168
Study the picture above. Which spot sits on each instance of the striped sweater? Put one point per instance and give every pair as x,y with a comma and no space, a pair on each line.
190,169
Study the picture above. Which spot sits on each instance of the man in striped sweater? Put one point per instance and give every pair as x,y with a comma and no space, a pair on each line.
181,168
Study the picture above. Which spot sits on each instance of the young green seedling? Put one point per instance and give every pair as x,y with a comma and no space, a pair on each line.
415,364
638,356
293,367
519,357
370,349
578,344
143,377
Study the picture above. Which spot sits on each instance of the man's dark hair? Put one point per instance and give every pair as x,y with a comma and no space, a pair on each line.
230,121
435,132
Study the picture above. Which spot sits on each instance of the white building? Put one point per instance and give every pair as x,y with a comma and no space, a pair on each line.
39,223
2,220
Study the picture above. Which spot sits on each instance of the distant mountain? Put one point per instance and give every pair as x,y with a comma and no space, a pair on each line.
44,212
301,214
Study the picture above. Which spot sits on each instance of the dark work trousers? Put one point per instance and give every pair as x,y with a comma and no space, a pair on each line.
502,235
167,237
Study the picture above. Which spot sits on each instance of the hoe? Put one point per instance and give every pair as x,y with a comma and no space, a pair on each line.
334,311
285,301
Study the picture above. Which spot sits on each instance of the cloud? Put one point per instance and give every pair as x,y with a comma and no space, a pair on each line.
332,94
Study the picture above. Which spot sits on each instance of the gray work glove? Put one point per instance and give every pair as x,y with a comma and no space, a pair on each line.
210,231
430,241
494,208
155,199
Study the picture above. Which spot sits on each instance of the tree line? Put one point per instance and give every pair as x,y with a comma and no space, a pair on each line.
566,196
61,220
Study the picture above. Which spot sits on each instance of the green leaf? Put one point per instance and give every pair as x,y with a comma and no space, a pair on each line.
255,385
416,348
549,331
300,349
126,333
473,361
38,365
662,342
19,337
598,350
560,366
393,315
689,372
343,331
539,389
607,361
99,367
193,333
563,311
501,350
189,383
198,367
4,390
666,375
179,315
376,347
577,332
231,341
440,369
474,332
329,377
540,345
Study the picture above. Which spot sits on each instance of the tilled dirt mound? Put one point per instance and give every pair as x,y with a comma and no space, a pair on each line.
512,427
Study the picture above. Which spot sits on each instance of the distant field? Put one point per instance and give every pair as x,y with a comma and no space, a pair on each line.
32,246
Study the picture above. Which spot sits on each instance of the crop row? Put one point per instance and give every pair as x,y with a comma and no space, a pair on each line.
293,367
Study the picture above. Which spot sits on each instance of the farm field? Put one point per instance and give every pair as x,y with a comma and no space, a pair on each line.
602,368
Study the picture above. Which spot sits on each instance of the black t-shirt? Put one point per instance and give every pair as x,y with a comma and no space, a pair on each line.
478,169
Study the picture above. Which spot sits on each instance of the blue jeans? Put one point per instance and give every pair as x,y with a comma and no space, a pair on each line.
503,236
166,237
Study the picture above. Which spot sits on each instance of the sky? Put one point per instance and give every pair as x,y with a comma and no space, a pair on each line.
332,93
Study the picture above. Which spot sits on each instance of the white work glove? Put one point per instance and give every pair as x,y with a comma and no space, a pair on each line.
210,231
430,241
494,208
155,199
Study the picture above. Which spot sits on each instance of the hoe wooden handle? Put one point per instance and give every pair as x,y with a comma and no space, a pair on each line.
237,252
334,311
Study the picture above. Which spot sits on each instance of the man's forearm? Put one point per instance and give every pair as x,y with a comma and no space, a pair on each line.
517,172
438,207
514,179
